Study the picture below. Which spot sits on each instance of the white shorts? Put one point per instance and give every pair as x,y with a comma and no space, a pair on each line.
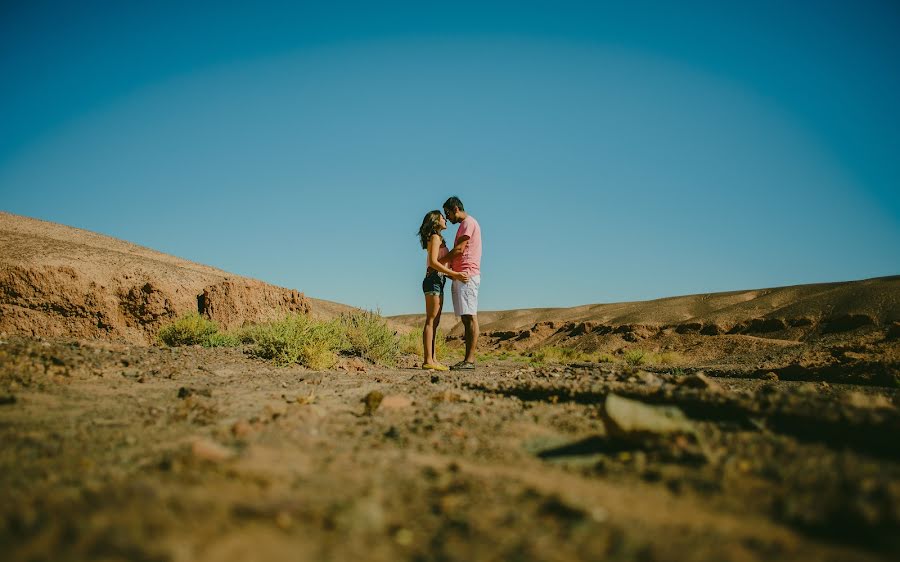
465,296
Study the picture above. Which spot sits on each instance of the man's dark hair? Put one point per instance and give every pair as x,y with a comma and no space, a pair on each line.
454,203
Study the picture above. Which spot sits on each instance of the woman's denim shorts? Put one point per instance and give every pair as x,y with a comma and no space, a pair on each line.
433,284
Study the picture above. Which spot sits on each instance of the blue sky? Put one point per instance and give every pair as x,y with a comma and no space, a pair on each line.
611,151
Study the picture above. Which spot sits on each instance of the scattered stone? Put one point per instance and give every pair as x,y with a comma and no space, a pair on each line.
275,410
241,429
356,364
893,333
770,376
451,396
371,402
807,388
210,451
648,378
304,399
395,402
868,401
630,418
701,381
185,391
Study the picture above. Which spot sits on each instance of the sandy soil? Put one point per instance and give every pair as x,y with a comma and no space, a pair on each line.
120,452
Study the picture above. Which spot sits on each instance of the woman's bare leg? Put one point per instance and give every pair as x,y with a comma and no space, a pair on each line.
432,309
437,322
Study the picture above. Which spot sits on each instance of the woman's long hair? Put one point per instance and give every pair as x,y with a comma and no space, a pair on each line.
431,224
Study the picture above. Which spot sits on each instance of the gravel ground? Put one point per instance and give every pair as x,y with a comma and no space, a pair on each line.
118,452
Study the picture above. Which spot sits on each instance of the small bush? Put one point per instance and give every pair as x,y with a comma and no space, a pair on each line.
191,329
367,334
297,339
635,356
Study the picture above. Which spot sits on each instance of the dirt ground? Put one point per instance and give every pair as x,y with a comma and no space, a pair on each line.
121,452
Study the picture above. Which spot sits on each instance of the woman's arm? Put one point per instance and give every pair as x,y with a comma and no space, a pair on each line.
434,248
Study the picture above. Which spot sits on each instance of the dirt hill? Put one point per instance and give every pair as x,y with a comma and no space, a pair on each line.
56,280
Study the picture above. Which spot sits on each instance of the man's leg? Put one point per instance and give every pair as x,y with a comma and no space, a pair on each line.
470,323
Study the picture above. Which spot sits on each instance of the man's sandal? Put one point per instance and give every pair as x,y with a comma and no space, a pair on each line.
463,366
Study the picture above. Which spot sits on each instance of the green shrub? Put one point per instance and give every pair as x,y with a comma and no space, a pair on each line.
297,339
191,329
635,356
367,335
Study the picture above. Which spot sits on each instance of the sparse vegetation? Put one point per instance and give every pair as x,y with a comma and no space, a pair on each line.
411,343
635,356
367,335
296,339
191,329
503,355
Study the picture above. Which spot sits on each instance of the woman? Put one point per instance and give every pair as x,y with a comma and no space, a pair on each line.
433,285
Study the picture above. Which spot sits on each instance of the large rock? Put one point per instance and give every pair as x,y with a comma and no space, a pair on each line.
632,419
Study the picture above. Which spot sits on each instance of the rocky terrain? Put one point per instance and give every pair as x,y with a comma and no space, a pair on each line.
764,427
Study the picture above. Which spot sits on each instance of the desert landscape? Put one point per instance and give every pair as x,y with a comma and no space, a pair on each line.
749,425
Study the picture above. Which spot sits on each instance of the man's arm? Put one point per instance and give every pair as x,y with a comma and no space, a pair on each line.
458,248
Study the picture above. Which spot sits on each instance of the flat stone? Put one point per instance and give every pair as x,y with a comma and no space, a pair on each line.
395,402
206,450
629,418
701,381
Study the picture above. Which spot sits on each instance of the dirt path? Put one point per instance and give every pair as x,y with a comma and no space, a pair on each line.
114,452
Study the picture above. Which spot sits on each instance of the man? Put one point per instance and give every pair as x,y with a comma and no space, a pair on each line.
465,257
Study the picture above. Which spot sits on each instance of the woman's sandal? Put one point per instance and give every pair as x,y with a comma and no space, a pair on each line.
435,367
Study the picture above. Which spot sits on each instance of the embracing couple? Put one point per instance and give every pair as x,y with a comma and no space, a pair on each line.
462,263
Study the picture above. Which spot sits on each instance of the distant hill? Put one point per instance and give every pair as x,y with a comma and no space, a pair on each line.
784,313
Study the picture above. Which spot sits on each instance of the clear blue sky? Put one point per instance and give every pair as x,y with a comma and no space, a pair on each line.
610,150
